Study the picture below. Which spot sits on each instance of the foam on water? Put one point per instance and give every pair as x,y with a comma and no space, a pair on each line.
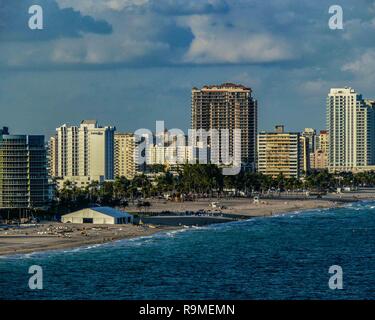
284,256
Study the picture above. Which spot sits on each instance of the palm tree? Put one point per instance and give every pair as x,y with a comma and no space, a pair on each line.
120,188
93,191
141,183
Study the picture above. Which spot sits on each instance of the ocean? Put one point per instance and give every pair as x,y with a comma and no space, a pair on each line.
281,257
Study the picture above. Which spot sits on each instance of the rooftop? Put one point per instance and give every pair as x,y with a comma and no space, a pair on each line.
88,122
110,212
224,86
104,210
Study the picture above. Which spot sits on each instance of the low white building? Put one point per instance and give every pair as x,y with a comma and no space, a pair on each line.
98,215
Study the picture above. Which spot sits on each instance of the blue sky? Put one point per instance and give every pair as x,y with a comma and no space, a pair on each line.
129,63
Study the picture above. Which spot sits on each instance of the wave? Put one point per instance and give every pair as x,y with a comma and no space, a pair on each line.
348,208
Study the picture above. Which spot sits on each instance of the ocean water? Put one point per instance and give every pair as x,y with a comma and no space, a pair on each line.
281,257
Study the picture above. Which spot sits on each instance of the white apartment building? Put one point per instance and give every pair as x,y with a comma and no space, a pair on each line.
169,155
84,153
166,148
350,126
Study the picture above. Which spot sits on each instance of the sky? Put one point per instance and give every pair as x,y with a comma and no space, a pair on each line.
128,63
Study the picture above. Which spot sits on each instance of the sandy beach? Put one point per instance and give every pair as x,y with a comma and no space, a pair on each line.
243,207
247,208
52,236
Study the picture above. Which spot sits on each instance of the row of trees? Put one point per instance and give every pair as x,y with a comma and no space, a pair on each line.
202,180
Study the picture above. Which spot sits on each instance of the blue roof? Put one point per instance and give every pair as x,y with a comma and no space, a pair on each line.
110,212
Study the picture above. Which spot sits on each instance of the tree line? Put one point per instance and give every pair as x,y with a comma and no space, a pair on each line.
198,180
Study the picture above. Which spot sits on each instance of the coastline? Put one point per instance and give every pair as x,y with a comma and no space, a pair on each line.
240,207
42,238
57,236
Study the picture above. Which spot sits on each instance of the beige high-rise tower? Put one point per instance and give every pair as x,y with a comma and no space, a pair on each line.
319,160
281,152
52,157
228,106
124,157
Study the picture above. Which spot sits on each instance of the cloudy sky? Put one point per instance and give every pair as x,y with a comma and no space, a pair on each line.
130,62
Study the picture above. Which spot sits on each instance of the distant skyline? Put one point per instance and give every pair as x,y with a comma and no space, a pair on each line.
129,63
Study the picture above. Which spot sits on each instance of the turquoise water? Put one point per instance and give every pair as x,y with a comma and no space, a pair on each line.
282,257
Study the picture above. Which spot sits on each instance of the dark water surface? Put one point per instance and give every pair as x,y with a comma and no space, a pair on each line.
282,257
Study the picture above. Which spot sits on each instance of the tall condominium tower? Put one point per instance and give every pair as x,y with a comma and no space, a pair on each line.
83,154
227,106
125,162
23,171
52,157
351,129
310,134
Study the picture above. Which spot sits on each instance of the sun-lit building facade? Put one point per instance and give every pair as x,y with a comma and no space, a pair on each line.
124,158
351,130
227,107
279,152
83,153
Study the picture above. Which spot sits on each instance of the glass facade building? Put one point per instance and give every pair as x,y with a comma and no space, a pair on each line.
23,171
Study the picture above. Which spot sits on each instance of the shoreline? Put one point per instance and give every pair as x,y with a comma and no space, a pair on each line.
241,208
11,245
58,236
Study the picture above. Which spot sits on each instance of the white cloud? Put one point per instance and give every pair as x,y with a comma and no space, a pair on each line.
215,43
314,87
358,29
363,65
99,50
162,6
225,32
99,6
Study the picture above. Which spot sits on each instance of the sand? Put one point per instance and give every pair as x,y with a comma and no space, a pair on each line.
242,207
52,236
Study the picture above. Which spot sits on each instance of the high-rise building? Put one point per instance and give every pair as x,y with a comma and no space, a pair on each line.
310,134
351,129
323,141
304,154
23,171
52,157
169,155
4,130
84,154
280,152
125,162
227,106
319,159
169,149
